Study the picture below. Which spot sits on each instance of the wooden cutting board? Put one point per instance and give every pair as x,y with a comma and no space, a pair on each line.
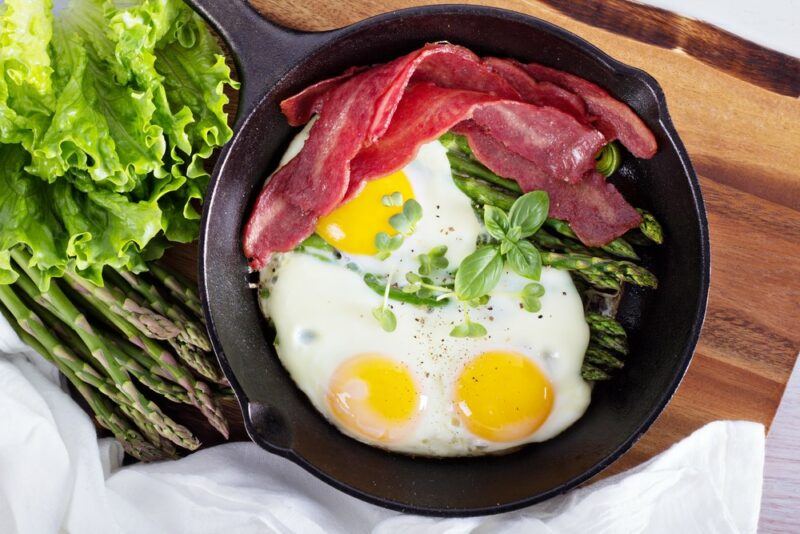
735,106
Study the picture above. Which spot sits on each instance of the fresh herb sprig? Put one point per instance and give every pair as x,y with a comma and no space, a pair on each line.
480,272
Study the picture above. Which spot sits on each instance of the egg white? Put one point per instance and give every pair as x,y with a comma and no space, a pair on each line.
322,313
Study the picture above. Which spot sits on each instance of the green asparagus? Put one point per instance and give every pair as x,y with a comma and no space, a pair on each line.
602,358
33,332
167,366
180,289
57,302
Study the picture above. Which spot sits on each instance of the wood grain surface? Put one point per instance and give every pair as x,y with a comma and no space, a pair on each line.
742,133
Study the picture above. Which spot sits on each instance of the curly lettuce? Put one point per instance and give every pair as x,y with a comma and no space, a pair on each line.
107,115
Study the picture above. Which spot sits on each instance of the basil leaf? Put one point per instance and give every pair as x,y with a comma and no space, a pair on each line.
478,273
506,245
529,212
514,234
386,318
496,221
525,260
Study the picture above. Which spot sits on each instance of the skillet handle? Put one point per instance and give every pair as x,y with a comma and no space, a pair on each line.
263,50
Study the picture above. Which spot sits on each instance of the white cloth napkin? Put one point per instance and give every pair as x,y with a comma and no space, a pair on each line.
55,476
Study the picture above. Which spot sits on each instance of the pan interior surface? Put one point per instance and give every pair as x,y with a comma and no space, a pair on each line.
663,324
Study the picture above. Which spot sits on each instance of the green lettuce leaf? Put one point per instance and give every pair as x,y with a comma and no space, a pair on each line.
27,217
26,93
107,116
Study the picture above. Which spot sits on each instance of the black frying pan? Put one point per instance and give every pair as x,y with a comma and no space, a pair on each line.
274,63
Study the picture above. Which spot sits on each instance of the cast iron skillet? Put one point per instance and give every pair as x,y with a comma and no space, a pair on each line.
276,62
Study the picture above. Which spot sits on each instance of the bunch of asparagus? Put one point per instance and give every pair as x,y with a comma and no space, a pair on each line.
597,271
123,346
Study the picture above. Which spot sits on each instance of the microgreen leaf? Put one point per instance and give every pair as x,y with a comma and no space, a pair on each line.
412,210
400,223
496,222
433,261
529,212
478,273
395,199
468,329
525,260
530,296
386,244
386,318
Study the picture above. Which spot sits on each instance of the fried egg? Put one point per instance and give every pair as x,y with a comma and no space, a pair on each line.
417,389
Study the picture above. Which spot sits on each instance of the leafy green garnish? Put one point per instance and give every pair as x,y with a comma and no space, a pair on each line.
529,213
479,273
530,296
393,200
468,328
406,221
433,261
386,318
524,259
496,222
387,244
424,287
382,313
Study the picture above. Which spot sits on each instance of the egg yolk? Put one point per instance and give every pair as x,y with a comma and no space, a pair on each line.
374,397
352,227
503,396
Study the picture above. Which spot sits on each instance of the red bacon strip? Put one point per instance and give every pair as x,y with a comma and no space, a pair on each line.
355,110
615,119
595,210
539,93
553,141
373,120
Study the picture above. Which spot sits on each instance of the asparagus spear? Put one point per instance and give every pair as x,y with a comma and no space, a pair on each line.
166,366
33,332
483,193
180,289
607,325
618,247
58,303
379,286
591,373
126,354
191,343
150,432
601,357
650,227
471,167
599,280
189,331
624,270
606,341
147,321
